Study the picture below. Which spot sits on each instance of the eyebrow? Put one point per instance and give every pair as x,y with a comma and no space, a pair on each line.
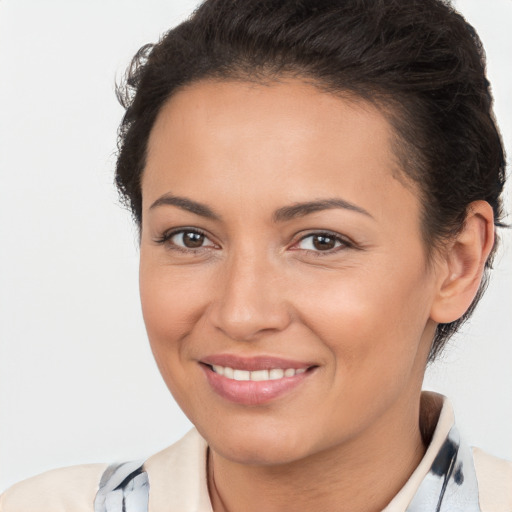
302,209
286,213
186,204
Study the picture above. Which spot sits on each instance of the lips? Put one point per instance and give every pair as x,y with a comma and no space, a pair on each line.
255,380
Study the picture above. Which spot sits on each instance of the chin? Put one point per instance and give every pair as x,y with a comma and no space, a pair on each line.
259,446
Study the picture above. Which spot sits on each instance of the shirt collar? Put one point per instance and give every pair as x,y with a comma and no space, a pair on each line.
444,481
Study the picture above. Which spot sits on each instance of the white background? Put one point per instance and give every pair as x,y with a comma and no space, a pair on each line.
77,380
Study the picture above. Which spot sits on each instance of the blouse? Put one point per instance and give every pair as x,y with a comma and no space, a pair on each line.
451,477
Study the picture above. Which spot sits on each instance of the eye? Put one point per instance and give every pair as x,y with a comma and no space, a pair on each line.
186,239
322,242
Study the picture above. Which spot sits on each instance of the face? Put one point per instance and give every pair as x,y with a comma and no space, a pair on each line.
283,278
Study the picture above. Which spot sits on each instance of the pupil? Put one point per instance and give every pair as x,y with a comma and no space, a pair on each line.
323,243
193,240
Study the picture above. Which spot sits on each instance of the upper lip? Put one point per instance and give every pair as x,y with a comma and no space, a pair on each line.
253,363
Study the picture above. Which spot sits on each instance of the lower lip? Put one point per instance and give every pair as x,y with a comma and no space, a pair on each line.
248,392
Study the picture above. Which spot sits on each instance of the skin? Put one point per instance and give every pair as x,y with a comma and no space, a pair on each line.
364,312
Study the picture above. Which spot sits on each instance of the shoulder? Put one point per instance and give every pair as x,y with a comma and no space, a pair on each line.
59,490
177,479
177,475
494,477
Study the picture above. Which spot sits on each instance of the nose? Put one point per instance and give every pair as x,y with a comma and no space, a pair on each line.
250,300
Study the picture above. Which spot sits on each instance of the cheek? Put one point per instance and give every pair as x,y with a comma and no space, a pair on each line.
169,292
168,311
172,301
367,316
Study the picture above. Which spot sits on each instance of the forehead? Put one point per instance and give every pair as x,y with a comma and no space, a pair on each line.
288,140
276,113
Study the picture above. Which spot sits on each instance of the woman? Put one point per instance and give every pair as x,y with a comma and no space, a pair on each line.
317,186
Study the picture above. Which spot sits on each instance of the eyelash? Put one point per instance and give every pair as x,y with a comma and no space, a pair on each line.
344,242
165,239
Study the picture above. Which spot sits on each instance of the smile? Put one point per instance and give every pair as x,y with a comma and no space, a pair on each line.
255,381
256,375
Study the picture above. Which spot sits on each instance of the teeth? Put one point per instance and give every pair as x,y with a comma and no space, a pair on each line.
259,375
218,369
256,375
276,373
241,375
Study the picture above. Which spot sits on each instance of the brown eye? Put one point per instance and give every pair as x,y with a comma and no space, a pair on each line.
186,239
192,240
323,242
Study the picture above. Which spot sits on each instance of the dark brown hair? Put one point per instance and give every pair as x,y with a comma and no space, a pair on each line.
418,60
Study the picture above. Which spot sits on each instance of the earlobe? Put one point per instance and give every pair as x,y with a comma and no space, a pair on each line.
463,264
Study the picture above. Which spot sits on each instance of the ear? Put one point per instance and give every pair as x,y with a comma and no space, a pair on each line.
462,264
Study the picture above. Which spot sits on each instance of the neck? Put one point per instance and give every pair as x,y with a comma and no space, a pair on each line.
346,478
